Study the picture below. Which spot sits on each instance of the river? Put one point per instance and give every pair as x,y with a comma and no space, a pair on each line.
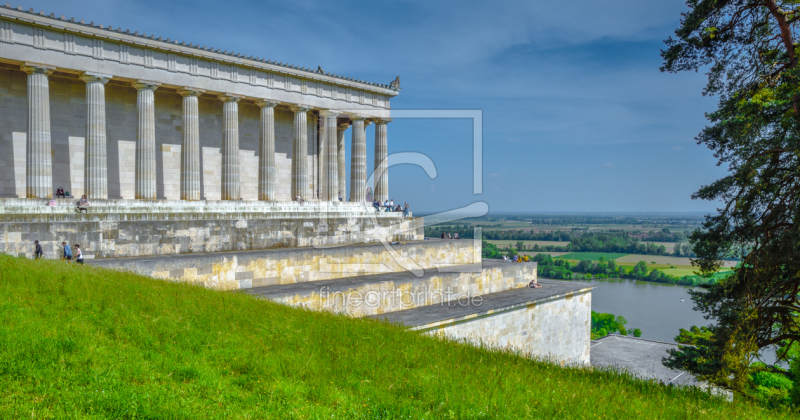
654,308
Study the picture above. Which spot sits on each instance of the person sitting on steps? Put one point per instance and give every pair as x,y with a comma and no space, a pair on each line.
83,204
60,193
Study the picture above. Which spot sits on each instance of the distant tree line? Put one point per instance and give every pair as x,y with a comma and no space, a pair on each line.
618,242
556,268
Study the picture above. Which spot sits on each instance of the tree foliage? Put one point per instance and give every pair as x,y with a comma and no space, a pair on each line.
749,49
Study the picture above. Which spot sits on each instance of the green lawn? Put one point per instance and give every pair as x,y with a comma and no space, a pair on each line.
594,256
82,342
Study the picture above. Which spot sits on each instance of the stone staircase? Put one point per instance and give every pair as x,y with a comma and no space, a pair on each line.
484,303
436,287
390,292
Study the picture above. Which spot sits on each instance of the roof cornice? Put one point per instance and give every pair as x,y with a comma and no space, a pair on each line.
134,38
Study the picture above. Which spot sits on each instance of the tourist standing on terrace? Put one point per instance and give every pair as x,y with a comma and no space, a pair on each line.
67,252
79,254
369,194
37,253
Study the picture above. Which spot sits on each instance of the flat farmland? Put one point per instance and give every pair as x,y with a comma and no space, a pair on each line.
552,254
505,243
594,256
663,259
670,246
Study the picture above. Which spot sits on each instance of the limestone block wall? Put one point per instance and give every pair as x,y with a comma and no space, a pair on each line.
558,328
131,228
240,270
405,291
126,176
68,133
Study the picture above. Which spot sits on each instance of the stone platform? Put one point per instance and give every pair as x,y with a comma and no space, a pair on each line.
551,322
245,269
382,293
135,228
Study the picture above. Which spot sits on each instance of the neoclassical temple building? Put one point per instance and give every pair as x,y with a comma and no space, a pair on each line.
118,114
193,159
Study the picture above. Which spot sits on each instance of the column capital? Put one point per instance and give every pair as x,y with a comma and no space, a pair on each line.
95,77
354,117
39,68
381,120
145,84
344,126
230,97
263,103
328,113
190,91
300,108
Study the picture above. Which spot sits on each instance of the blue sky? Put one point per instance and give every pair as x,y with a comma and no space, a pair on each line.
577,116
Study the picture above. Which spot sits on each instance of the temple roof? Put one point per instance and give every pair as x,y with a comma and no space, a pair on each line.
119,34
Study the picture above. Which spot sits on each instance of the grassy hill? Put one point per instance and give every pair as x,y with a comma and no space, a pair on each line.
81,342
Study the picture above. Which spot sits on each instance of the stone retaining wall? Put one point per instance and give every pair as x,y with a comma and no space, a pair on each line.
238,270
131,228
558,328
400,291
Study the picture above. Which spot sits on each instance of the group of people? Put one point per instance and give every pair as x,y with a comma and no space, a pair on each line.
81,206
446,235
388,205
66,250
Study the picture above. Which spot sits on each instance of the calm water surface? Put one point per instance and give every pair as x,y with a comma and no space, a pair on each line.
654,308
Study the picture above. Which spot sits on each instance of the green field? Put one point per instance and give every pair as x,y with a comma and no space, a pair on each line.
594,256
82,342
505,243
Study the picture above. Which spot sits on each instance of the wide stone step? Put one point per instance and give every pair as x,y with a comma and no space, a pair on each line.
551,322
390,292
268,267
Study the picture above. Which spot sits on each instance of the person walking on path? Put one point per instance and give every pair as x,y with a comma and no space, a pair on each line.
37,253
67,252
78,254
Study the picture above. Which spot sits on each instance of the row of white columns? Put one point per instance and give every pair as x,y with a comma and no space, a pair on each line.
39,178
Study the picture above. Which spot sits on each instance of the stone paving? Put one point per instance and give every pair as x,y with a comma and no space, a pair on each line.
638,356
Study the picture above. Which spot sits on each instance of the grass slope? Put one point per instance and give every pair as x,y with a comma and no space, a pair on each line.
82,342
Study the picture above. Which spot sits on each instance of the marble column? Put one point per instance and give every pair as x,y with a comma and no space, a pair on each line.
381,178
300,153
330,175
340,165
230,147
95,168
358,161
266,152
146,140
38,155
190,145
